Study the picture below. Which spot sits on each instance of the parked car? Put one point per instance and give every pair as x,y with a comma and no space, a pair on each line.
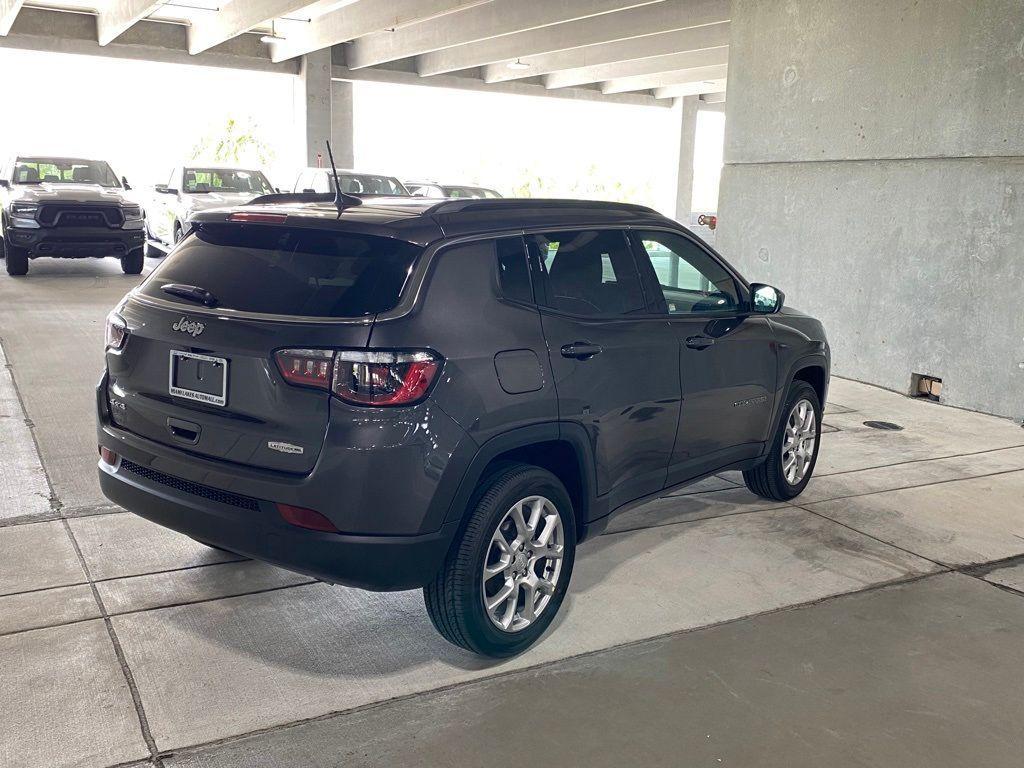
69,208
321,180
198,188
456,191
448,396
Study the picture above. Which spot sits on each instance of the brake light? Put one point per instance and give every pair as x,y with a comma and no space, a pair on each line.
263,218
363,377
116,332
306,367
383,378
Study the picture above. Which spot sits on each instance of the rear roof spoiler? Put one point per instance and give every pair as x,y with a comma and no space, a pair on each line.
283,198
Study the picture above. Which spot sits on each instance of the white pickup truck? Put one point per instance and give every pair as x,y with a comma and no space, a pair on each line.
198,188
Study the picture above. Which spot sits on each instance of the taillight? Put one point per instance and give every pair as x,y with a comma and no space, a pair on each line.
306,367
383,378
117,331
363,377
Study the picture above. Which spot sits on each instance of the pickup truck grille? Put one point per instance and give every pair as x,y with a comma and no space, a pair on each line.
57,215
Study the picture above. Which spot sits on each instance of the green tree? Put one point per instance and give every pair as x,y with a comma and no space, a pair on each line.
235,144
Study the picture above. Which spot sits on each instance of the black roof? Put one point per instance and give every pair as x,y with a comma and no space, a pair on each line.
422,220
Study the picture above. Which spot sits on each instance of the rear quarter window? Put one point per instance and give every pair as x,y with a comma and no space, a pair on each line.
288,271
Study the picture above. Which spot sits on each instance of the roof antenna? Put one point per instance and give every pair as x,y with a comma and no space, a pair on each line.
341,199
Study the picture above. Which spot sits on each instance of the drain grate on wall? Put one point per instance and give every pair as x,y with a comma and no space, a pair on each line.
883,425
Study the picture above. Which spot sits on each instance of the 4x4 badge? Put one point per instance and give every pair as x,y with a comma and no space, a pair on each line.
188,326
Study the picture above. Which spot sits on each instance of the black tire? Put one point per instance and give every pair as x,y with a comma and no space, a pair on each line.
768,479
3,249
133,261
17,261
455,599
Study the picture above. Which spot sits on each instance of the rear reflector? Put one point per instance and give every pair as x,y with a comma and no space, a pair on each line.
264,218
306,518
108,456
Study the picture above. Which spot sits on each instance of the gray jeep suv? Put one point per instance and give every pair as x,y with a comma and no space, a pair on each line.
405,393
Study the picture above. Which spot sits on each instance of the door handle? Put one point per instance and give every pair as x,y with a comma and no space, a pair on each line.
581,350
699,342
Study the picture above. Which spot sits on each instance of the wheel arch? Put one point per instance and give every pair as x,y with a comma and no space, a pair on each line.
561,448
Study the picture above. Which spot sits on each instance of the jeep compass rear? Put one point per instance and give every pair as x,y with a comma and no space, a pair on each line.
407,394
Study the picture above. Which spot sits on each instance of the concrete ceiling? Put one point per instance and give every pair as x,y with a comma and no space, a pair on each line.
658,49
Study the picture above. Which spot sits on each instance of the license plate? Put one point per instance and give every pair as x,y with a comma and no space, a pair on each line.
199,377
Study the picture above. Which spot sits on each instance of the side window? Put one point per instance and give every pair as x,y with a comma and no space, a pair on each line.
513,271
688,278
586,272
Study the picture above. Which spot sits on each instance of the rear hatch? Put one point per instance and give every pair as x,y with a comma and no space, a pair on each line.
205,378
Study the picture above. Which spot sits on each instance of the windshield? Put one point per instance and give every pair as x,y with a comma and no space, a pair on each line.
225,180
369,184
63,170
282,271
474,192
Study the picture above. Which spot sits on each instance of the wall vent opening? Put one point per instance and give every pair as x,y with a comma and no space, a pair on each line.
923,385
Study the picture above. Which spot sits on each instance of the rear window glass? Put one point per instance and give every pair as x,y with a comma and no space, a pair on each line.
286,271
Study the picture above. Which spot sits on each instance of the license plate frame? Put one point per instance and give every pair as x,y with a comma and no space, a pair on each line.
198,396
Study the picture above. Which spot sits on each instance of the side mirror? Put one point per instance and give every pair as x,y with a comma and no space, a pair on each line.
124,183
766,299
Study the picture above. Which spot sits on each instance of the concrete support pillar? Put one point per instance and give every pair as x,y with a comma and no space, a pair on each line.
324,111
687,108
341,124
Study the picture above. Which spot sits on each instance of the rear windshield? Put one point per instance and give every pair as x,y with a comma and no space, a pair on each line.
285,271
198,180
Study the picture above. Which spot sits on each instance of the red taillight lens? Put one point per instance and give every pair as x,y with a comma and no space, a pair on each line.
363,377
306,367
108,456
383,378
117,331
306,518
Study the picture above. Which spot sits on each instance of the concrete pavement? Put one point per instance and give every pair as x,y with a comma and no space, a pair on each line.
898,575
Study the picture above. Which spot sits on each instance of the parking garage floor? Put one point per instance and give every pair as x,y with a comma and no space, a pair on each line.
875,621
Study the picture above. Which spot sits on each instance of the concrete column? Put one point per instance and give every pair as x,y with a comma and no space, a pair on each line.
686,108
874,170
324,111
341,124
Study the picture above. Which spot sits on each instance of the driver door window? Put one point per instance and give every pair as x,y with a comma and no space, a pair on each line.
686,279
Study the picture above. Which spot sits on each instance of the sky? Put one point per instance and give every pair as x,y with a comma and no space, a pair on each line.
159,113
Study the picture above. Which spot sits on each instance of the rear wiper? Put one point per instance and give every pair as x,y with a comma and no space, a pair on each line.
190,292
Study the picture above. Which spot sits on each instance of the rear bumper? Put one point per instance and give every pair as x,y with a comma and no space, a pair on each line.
379,563
76,242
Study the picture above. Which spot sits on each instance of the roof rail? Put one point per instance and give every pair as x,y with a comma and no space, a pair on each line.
513,203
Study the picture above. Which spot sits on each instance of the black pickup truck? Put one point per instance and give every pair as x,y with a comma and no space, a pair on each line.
67,208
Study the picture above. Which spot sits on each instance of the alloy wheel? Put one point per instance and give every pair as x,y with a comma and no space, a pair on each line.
799,441
523,563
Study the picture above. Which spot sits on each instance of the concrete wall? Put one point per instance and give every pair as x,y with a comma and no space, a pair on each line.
875,172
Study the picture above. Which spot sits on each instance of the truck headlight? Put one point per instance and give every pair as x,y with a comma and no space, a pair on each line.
132,212
24,215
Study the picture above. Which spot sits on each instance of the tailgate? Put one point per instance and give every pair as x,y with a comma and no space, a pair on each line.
218,393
